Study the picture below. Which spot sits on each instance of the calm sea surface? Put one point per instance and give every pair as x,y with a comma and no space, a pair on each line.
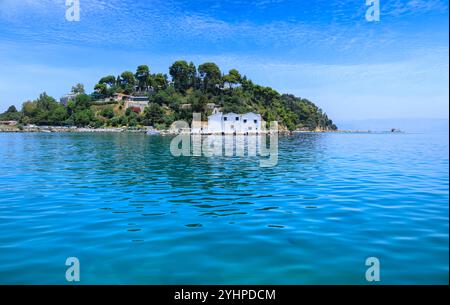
134,214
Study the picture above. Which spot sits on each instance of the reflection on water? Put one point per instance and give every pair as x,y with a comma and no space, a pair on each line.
228,145
134,213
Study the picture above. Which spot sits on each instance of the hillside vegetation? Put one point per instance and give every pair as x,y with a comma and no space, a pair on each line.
189,89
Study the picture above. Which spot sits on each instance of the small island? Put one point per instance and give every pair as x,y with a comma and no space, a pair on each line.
142,100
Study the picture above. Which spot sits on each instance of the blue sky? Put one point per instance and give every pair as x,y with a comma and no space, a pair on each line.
325,51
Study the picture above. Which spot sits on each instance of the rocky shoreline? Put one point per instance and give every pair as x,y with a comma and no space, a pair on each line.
74,129
147,130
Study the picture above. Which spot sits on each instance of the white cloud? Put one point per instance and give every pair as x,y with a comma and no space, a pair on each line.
333,83
114,22
408,7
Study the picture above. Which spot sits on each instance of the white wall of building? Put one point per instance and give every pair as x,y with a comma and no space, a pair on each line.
234,123
215,123
133,104
251,123
231,123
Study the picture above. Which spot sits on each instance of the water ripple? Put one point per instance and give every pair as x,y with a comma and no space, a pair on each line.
133,213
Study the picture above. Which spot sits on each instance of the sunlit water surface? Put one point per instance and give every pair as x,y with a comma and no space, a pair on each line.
134,214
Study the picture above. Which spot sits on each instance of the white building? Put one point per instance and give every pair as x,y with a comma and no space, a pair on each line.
137,102
215,123
64,100
251,123
197,126
211,106
233,123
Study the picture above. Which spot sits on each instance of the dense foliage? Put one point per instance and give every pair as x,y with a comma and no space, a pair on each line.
190,89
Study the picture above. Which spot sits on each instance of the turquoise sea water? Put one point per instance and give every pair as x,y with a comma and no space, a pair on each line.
134,214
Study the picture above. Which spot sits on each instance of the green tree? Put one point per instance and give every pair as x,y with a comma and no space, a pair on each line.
46,102
192,76
161,98
29,109
11,114
101,89
82,101
78,89
153,114
109,80
160,82
210,76
198,103
97,122
127,82
142,77
12,109
180,72
82,118
132,118
107,85
232,78
58,115
107,112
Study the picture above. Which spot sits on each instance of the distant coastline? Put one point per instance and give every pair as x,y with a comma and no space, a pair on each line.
138,99
144,130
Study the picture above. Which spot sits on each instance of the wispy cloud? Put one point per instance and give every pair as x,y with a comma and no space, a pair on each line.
168,23
322,49
413,7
